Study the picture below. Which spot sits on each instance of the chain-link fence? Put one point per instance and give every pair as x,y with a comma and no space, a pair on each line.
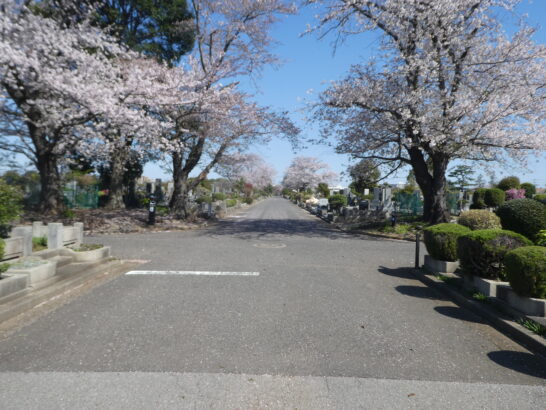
411,203
78,197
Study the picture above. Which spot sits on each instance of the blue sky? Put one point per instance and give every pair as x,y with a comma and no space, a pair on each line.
309,63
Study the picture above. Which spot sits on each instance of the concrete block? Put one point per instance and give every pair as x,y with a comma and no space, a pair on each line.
39,230
488,287
12,283
55,235
36,270
88,256
437,266
26,233
13,248
528,306
78,226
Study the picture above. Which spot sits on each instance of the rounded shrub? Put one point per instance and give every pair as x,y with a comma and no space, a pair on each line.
479,219
524,216
11,201
508,183
478,199
231,203
494,197
204,199
248,200
337,201
540,198
218,196
529,188
441,240
481,252
526,271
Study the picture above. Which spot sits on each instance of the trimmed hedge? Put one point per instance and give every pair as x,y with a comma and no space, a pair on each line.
230,203
540,198
204,199
524,216
478,199
441,240
529,188
481,252
526,271
248,200
508,183
337,201
494,197
218,196
479,219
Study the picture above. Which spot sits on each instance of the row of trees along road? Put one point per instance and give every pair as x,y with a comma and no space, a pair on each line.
448,85
108,80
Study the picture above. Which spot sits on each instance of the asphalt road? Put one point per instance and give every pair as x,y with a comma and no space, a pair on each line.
322,319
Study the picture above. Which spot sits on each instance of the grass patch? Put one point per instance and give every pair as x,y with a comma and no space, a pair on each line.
533,326
39,243
479,297
447,279
84,247
4,267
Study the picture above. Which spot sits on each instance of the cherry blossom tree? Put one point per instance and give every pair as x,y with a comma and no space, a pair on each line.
250,168
52,86
449,84
232,41
307,172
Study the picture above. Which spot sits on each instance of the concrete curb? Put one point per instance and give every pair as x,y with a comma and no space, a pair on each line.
500,321
27,299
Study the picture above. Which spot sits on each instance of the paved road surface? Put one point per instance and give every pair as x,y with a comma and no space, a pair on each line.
322,319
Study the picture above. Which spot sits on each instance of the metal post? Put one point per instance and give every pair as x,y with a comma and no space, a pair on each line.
151,211
417,247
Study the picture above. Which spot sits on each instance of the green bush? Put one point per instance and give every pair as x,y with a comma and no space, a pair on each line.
526,271
481,252
479,219
441,240
39,243
524,216
2,247
248,200
530,189
494,197
218,196
478,199
4,267
231,203
11,202
541,238
204,199
508,183
337,201
540,198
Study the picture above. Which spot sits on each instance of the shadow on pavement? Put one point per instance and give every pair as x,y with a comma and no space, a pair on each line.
458,313
521,362
263,228
403,273
422,292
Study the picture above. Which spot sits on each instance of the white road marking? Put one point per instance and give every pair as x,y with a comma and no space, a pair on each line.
190,272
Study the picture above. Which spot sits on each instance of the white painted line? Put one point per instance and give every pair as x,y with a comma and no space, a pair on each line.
190,272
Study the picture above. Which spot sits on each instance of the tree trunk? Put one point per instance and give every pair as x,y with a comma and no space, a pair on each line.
51,199
117,171
178,202
433,185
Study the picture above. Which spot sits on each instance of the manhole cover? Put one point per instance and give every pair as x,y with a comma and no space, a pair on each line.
270,245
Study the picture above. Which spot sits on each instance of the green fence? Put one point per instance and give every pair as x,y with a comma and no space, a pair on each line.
412,204
77,197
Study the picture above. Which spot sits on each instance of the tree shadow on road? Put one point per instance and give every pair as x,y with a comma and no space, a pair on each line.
272,228
521,362
422,292
403,273
456,312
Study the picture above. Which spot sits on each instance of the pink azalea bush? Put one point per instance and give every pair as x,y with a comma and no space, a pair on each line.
515,193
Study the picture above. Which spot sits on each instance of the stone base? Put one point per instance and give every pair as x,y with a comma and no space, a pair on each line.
12,283
437,266
88,256
528,306
35,274
488,287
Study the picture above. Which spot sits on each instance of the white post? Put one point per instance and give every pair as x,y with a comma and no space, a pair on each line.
79,233
26,233
54,236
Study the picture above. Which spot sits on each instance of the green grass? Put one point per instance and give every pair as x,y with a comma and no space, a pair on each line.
39,243
533,326
479,297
